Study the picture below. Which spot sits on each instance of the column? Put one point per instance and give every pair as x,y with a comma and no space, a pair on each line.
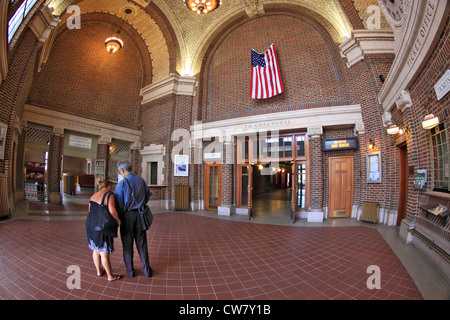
103,153
136,159
227,208
316,185
54,165
20,163
195,176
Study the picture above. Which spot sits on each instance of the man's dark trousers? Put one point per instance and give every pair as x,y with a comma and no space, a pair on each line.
131,232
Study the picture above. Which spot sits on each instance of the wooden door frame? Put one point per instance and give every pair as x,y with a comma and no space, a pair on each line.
306,163
294,189
239,187
351,188
206,185
403,186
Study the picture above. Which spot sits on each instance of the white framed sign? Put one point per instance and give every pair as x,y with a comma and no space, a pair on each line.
181,165
3,130
443,86
80,142
374,167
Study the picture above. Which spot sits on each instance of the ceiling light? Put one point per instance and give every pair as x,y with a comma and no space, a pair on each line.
202,6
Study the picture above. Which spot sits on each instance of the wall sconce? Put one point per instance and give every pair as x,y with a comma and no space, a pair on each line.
372,145
393,129
260,167
430,121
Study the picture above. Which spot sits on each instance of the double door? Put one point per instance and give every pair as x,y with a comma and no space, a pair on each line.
297,184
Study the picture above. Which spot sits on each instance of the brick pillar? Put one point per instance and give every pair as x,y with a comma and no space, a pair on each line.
195,176
316,174
103,153
227,207
20,162
136,159
54,165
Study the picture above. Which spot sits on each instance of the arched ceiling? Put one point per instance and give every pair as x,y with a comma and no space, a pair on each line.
193,31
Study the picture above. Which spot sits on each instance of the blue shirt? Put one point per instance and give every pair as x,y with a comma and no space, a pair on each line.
125,200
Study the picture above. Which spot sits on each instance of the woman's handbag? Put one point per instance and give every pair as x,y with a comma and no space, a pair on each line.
144,212
101,220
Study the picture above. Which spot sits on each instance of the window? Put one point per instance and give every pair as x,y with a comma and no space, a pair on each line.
153,168
440,158
300,146
18,17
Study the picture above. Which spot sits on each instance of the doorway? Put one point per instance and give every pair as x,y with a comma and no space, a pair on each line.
340,188
272,191
403,187
213,186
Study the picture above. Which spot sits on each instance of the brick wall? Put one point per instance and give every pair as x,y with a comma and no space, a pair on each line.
13,92
82,78
418,141
309,66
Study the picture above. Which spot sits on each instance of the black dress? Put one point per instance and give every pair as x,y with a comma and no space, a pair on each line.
98,240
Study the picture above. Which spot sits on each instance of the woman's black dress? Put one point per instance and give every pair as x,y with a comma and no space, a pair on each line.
97,239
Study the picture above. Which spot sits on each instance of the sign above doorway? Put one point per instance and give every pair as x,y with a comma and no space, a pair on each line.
340,144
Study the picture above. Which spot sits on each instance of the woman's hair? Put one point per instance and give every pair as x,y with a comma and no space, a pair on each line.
102,182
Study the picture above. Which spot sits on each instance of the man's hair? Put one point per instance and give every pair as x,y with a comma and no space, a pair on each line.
125,165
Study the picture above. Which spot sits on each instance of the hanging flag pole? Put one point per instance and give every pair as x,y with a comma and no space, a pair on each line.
265,79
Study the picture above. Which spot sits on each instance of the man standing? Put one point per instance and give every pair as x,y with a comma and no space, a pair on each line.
131,193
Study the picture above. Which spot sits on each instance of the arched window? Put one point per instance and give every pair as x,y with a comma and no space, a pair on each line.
18,17
440,158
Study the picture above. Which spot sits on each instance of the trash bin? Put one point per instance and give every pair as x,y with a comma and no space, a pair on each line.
69,183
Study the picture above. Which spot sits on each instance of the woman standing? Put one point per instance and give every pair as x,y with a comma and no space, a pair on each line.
102,245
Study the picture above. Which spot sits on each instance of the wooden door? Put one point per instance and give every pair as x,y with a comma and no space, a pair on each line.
245,187
213,186
403,187
340,187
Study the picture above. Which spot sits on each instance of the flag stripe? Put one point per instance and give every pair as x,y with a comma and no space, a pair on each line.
265,77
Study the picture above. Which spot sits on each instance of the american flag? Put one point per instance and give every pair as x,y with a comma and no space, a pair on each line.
266,79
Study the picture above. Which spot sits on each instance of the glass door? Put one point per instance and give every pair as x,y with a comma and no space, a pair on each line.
301,185
245,187
213,186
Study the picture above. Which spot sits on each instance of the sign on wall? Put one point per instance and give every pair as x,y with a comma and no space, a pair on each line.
374,167
181,165
340,144
443,86
80,142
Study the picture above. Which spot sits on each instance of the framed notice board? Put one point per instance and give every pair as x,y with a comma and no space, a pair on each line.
374,167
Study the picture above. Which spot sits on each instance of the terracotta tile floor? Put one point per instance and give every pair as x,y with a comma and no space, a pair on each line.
197,258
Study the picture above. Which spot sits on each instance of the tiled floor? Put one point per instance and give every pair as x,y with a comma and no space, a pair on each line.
201,257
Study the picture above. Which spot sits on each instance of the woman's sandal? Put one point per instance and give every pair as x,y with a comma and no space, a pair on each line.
116,277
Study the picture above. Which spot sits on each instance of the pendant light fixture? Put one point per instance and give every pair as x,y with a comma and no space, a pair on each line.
202,6
114,43
393,129
430,121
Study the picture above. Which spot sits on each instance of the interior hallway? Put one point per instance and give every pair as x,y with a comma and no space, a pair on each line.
200,255
273,206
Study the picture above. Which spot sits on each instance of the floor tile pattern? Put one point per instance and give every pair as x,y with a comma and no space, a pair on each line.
196,257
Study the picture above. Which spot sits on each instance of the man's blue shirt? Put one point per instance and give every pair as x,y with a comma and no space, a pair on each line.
125,200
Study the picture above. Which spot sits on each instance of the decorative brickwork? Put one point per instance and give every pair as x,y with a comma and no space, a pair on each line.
79,63
316,189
